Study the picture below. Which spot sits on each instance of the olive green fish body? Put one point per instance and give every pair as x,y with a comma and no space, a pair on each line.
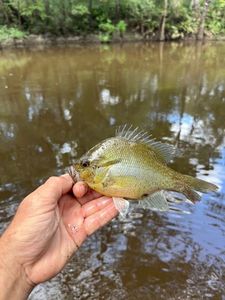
137,172
132,166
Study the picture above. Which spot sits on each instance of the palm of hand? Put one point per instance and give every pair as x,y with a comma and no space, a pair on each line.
49,230
56,243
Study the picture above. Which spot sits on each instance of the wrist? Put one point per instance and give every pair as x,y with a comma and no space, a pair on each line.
14,283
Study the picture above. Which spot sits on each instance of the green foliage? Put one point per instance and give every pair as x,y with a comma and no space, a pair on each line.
30,10
216,18
107,27
143,14
80,13
180,22
10,33
121,27
104,37
141,10
107,16
79,10
106,31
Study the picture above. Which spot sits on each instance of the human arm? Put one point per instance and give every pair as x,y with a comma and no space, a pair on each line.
49,225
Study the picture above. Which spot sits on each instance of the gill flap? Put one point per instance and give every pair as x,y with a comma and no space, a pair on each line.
165,151
109,162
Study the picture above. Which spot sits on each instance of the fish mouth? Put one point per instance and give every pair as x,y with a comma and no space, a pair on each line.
74,174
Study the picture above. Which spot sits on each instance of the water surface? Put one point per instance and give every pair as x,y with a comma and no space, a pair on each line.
56,103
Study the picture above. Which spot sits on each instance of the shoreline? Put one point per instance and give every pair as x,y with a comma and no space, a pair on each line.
45,40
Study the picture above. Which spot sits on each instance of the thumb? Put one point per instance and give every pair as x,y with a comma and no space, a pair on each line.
53,189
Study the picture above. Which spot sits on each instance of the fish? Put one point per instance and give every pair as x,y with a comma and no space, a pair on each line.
134,166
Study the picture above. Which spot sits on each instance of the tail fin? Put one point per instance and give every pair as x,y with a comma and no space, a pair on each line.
191,184
191,194
199,184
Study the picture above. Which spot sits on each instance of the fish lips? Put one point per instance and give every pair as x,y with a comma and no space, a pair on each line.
74,174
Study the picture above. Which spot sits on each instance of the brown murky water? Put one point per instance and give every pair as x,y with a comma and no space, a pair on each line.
57,103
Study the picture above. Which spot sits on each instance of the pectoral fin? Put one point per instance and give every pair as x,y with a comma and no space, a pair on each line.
156,201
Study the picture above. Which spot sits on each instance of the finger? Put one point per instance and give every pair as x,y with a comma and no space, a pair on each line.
96,205
54,188
80,189
90,195
100,218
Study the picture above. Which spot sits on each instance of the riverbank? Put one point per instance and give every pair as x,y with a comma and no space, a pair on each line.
46,40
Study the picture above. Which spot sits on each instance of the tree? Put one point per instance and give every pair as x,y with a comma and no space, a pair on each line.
159,19
163,22
5,14
201,28
117,10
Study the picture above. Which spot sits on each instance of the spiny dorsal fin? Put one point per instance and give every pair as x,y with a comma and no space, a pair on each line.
133,134
166,151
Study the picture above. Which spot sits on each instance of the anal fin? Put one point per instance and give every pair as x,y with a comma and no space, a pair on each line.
156,201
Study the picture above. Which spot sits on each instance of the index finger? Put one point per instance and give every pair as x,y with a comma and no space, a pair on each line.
80,188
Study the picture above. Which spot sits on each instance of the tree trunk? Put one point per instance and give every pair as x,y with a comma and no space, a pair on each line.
19,16
90,5
201,27
63,18
5,15
142,27
117,10
47,13
163,22
195,5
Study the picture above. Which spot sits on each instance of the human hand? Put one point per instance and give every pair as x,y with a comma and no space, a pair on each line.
49,226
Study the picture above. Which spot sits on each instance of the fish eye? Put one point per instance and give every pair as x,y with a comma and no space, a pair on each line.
85,163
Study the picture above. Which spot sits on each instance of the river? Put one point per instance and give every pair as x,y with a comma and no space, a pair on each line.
55,103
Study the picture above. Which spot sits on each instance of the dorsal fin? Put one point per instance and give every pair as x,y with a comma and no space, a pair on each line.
166,151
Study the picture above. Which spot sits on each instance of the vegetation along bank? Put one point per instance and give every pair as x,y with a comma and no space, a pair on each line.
43,21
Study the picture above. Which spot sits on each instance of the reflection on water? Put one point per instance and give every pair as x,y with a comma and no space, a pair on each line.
57,103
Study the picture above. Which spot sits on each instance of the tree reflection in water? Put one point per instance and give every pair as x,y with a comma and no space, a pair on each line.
57,103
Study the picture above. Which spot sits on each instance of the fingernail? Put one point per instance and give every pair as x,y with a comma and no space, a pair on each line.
85,187
65,175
